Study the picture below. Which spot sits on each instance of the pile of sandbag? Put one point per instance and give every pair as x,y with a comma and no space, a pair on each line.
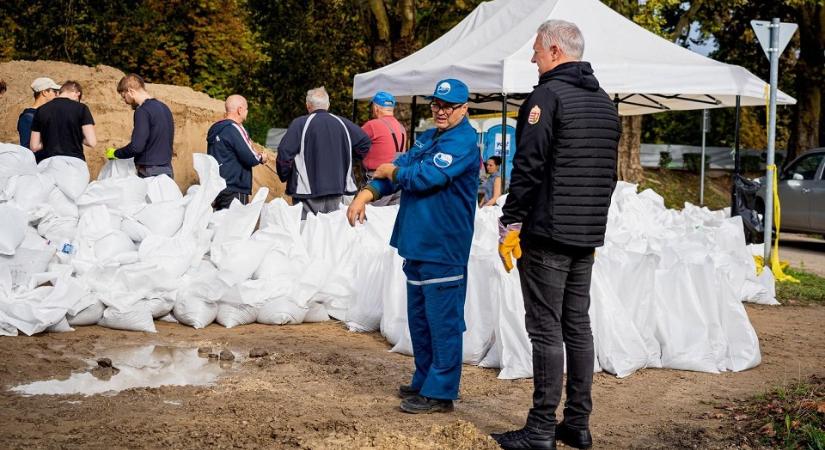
123,251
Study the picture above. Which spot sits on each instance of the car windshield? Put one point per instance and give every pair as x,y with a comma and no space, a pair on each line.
804,169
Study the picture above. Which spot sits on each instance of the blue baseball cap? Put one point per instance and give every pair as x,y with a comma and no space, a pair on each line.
383,98
451,91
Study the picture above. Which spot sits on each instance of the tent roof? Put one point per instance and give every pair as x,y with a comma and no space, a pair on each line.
491,49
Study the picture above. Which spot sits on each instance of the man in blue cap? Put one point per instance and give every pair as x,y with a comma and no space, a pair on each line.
387,136
438,180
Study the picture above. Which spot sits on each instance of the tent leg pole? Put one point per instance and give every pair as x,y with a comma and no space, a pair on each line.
736,158
354,109
504,143
413,120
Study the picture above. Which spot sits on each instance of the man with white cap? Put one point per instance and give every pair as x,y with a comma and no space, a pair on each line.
63,126
44,89
438,180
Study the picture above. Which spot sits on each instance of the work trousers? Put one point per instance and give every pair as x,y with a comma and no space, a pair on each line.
435,316
225,197
319,205
153,171
555,283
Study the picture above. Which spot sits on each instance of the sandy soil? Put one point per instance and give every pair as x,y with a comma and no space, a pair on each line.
194,113
326,388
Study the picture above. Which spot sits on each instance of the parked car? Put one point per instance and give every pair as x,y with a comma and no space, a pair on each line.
801,194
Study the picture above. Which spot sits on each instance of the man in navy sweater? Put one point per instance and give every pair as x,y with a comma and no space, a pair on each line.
228,142
315,156
154,131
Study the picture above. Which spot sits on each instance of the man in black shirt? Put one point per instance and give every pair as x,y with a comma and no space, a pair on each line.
44,89
154,130
62,126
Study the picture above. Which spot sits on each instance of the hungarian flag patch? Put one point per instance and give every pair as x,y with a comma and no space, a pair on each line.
535,115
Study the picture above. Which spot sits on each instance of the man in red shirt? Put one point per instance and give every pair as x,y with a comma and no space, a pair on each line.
387,136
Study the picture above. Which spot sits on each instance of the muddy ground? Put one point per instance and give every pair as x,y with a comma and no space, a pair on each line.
326,388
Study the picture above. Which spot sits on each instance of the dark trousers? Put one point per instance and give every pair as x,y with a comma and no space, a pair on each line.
225,197
555,283
153,171
435,316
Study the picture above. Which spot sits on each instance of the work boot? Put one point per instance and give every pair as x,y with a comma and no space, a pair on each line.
418,404
574,437
407,391
524,439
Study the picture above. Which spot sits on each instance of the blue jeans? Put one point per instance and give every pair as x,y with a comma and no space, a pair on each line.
435,316
555,283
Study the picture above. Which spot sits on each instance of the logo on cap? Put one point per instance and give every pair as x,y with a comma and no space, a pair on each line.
443,88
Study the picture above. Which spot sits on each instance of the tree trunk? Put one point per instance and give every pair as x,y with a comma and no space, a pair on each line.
810,74
381,53
630,146
406,39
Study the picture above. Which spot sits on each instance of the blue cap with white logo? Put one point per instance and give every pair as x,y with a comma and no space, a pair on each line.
383,98
451,91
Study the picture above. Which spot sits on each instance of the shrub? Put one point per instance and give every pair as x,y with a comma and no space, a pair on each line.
693,162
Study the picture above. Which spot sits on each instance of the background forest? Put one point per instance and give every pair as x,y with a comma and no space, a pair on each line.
273,51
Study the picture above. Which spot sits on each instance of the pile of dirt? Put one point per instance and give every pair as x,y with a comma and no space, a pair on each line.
194,113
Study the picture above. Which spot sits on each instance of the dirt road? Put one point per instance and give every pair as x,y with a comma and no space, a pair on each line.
326,388
804,252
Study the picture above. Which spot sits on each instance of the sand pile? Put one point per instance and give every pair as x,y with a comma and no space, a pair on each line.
194,113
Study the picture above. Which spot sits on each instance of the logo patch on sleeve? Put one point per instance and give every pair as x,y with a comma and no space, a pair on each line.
442,160
535,115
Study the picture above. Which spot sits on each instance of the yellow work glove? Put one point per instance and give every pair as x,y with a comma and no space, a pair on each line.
509,244
110,153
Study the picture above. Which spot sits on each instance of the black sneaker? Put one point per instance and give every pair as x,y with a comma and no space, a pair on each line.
524,439
419,404
407,391
574,437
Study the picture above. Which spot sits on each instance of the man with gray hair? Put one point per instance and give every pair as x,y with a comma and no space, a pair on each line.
315,156
554,218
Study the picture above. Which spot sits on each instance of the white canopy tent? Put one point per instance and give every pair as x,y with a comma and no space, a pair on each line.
491,48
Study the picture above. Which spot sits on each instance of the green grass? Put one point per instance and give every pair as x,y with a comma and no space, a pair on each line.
679,186
810,289
787,417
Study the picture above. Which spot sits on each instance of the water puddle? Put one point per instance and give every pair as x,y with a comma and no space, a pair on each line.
129,367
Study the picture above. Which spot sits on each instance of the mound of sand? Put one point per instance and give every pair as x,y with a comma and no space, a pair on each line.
194,113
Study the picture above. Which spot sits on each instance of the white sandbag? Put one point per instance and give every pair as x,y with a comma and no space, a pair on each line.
162,218
281,311
136,319
480,302
87,316
58,228
136,231
32,191
241,259
621,349
61,205
161,188
196,302
60,327
195,312
233,314
157,305
173,254
117,168
71,175
113,245
316,313
25,311
511,340
12,229
236,224
199,203
16,160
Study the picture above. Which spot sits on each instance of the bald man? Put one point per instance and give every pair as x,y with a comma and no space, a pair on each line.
229,143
